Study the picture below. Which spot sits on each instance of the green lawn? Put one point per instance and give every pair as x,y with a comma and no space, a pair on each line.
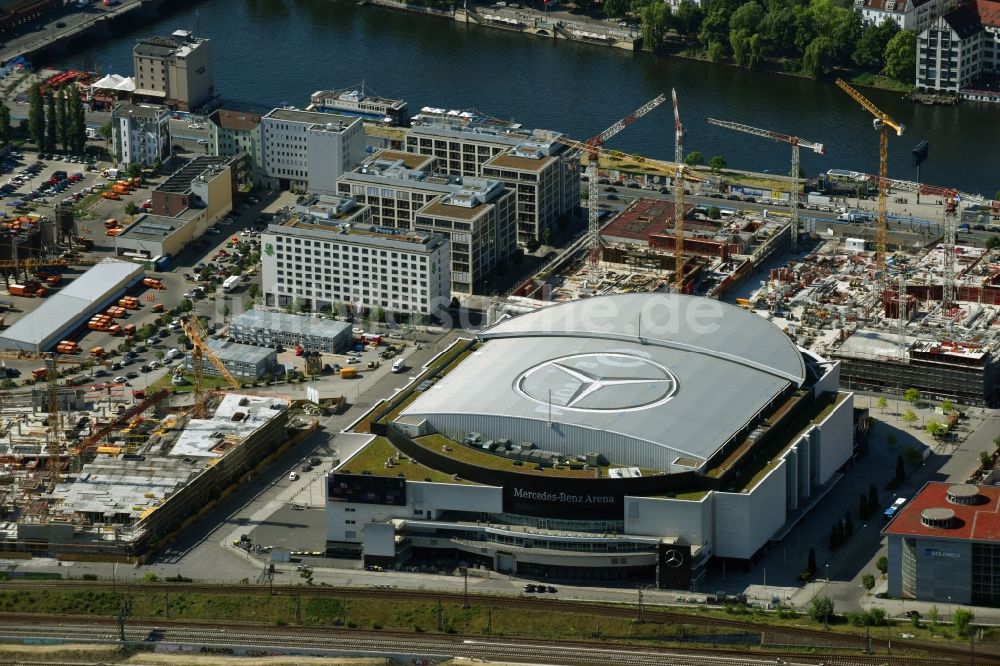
372,459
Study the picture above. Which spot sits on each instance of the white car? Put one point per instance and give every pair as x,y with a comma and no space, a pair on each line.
195,126
294,476
121,379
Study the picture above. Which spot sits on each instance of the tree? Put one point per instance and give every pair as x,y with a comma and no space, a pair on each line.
962,619
900,468
757,52
616,8
871,47
868,582
715,28
716,52
946,406
105,131
655,24
778,28
747,16
932,615
77,121
5,128
739,42
817,57
51,133
992,243
62,120
910,416
688,19
717,163
714,213
935,429
890,439
36,117
821,609
912,396
901,56
882,401
131,209
882,564
996,441
134,170
694,158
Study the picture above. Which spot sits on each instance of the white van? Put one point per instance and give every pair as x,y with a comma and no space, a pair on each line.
398,365
174,353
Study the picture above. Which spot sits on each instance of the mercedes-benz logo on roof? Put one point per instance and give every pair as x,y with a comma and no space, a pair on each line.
673,558
598,382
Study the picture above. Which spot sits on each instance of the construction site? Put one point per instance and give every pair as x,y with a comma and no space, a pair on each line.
99,472
911,308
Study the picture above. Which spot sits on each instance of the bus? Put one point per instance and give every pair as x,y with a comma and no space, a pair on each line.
891,512
231,283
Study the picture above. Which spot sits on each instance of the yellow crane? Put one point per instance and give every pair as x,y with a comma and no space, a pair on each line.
196,334
678,197
882,123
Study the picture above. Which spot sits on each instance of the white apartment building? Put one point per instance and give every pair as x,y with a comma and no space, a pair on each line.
140,133
325,262
176,70
538,167
950,53
309,150
479,219
396,185
912,15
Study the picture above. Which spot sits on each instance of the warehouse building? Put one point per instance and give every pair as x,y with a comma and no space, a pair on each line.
244,361
277,329
944,545
591,440
70,307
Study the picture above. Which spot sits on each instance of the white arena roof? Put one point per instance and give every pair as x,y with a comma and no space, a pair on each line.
653,380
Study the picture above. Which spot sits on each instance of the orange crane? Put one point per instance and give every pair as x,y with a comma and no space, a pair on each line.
882,123
678,197
592,149
793,196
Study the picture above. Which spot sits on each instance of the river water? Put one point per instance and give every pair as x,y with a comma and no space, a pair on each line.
271,52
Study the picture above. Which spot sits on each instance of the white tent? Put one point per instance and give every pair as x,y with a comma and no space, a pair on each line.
115,82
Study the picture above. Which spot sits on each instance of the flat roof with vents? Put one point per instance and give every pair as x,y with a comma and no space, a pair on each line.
950,511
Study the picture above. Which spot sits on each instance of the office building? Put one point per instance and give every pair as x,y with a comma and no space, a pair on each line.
140,133
245,362
537,166
333,261
233,132
959,49
274,329
479,220
944,545
176,71
310,150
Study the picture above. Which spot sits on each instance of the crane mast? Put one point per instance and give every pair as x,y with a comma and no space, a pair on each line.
882,124
678,197
592,147
793,195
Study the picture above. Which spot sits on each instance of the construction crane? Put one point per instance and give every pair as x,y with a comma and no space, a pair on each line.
678,196
592,149
793,195
882,123
201,351
55,431
952,198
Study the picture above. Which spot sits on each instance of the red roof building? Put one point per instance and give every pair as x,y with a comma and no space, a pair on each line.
944,545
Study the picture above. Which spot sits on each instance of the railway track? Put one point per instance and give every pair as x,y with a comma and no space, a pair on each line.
236,640
809,636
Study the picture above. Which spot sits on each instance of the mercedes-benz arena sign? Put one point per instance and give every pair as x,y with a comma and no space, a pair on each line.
598,382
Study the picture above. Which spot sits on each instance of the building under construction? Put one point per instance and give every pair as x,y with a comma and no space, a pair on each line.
120,475
897,333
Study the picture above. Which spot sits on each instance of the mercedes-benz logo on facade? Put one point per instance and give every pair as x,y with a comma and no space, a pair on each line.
673,558
598,382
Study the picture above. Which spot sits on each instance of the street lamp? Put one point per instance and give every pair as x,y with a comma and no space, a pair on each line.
827,573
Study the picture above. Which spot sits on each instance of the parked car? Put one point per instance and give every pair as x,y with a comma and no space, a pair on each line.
293,476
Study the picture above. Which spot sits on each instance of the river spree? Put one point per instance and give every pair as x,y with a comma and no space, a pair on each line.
273,52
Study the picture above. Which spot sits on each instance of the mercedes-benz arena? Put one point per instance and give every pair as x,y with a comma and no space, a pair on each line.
626,436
